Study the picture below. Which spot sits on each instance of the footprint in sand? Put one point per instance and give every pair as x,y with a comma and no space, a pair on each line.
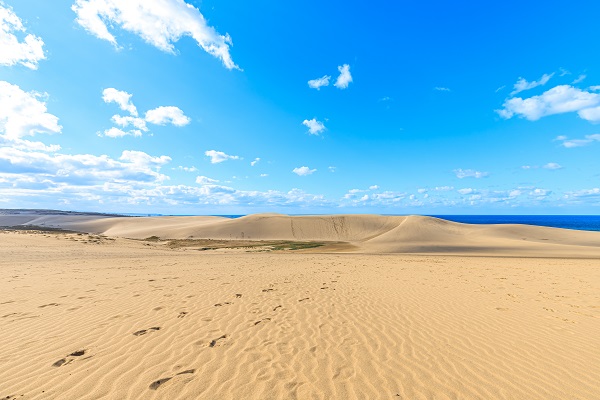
237,296
223,304
158,383
218,341
182,314
69,359
48,305
144,331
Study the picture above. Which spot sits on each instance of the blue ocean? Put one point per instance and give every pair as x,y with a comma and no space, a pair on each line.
578,222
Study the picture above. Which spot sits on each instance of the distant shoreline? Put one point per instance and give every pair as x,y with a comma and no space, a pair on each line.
575,222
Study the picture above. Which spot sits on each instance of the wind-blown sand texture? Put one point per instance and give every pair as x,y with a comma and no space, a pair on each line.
88,317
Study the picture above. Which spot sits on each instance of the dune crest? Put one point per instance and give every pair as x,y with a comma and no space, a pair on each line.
367,233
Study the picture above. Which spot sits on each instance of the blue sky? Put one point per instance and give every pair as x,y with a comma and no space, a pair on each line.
227,107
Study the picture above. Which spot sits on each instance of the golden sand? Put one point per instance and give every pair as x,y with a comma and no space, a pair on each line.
90,317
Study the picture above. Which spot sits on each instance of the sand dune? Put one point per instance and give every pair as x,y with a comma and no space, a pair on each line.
367,233
87,317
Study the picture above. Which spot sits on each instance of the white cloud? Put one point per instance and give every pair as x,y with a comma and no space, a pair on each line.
580,78
104,183
570,143
24,113
444,188
317,83
314,127
137,122
522,83
203,180
373,187
354,191
594,88
500,88
514,193
593,194
160,23
344,78
187,169
82,169
117,133
552,166
264,175
466,191
167,115
539,192
558,100
331,168
422,190
469,173
303,171
590,114
218,156
256,161
441,89
27,145
27,52
159,116
121,98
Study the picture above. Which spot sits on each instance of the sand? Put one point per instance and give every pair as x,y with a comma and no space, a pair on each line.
89,317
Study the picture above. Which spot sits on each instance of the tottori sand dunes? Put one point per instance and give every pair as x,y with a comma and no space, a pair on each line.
277,307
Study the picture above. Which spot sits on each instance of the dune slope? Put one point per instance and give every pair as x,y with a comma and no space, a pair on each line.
367,233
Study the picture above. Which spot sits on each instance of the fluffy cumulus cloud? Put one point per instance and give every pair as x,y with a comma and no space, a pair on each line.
570,143
522,84
319,82
160,23
33,173
24,113
27,52
121,98
314,127
167,115
345,77
81,169
204,180
254,162
558,100
217,157
303,171
132,124
469,173
117,133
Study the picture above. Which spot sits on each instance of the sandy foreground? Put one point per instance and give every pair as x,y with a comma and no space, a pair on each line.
89,317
